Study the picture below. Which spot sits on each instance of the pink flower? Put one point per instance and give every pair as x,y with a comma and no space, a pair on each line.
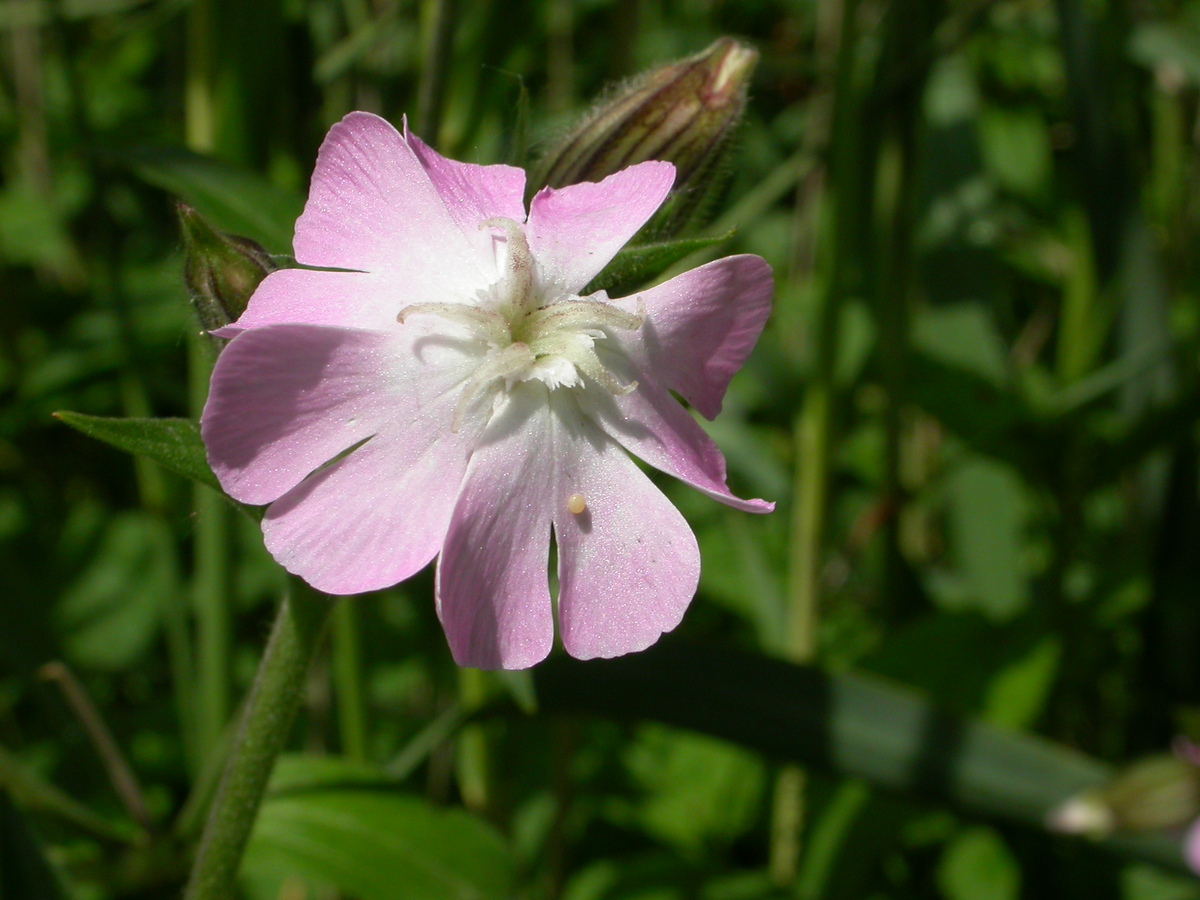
1191,847
449,393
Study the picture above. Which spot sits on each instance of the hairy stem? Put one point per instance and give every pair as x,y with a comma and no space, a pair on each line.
263,731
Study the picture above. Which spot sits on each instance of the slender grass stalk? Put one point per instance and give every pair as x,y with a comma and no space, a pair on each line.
812,432
199,84
1077,329
210,584
120,774
438,23
560,56
211,568
31,790
809,492
265,727
472,755
348,680
428,739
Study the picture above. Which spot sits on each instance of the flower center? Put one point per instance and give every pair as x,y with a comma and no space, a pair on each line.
531,333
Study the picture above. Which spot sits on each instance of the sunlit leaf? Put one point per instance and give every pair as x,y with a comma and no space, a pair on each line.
332,823
977,865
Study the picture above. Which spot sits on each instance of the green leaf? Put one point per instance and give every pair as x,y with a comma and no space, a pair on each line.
978,866
635,266
695,791
174,444
851,724
235,200
111,613
963,335
364,837
988,512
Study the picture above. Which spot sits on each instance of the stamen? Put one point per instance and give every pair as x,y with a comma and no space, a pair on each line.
484,322
589,364
512,359
578,314
584,359
518,264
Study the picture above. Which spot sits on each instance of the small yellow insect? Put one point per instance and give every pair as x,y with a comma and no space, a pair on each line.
577,504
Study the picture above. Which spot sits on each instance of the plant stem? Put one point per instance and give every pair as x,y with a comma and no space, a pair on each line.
809,496
264,729
120,773
472,756
31,790
438,19
210,576
812,433
347,680
210,583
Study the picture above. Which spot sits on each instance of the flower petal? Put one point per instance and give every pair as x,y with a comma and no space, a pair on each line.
1191,847
287,398
372,206
701,326
651,424
471,192
628,564
376,516
349,299
493,593
575,231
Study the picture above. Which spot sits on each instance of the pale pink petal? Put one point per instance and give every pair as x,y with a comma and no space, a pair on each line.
372,206
1191,847
701,326
628,564
473,193
651,424
350,299
376,516
288,398
493,593
575,231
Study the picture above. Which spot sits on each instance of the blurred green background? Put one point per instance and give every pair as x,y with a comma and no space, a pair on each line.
976,405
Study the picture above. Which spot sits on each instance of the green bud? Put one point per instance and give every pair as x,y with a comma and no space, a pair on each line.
1153,793
221,270
682,113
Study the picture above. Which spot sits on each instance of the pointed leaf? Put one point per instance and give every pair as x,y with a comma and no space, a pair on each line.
370,840
635,266
235,200
174,444
852,724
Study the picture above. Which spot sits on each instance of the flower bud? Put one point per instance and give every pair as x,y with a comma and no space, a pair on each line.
1153,793
221,270
682,113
